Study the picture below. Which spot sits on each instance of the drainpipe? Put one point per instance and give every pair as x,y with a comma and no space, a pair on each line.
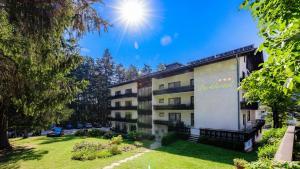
238,84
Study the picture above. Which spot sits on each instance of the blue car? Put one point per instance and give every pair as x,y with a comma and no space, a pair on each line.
55,132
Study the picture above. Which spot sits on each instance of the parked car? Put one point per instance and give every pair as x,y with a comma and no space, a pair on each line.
69,126
79,126
55,132
88,125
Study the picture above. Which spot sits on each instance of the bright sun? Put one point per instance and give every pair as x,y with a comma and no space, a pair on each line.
133,13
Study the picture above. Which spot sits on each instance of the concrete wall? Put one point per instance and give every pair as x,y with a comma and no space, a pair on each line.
216,96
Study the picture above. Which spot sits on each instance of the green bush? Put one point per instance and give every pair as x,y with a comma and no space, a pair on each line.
138,144
109,135
272,135
95,133
168,138
116,140
138,136
240,163
84,155
268,150
104,154
87,146
270,164
114,150
81,132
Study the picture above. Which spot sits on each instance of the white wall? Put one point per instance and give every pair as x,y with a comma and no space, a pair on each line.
216,104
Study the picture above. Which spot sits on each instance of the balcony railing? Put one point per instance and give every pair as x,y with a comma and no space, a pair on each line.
144,112
174,90
252,106
174,107
124,108
122,119
123,95
144,125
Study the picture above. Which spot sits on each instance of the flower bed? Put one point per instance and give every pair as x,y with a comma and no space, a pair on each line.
92,150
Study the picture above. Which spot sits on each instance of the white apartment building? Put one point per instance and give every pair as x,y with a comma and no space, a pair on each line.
202,96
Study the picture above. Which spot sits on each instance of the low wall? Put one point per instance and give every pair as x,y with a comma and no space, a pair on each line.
285,150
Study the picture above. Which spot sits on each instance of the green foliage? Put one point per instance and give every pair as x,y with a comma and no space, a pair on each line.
80,132
270,164
116,140
240,163
109,135
267,151
104,154
114,150
138,144
95,133
169,138
137,136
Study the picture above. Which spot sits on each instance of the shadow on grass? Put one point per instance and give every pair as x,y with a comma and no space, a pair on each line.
207,152
10,159
49,140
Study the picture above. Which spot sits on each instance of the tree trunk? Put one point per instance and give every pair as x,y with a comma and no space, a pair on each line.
275,118
4,142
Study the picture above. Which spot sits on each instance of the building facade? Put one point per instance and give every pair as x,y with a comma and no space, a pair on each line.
202,96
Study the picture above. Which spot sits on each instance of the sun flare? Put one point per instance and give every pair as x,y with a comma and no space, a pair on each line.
133,13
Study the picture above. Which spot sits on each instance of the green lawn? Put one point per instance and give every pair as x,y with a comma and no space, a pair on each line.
50,153
43,153
186,155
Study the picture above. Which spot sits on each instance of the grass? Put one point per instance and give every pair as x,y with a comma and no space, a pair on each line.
45,153
186,155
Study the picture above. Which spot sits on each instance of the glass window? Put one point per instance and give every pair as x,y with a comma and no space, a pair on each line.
117,104
161,86
174,84
161,114
128,103
128,115
161,101
192,100
192,119
174,117
118,93
118,115
192,82
248,117
127,91
174,101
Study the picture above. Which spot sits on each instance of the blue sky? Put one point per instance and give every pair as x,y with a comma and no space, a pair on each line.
177,31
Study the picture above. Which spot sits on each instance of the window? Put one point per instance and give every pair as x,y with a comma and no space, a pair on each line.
248,116
174,101
128,115
244,119
118,115
192,100
192,119
174,84
128,103
117,93
127,91
161,86
174,117
161,114
117,104
192,82
132,127
161,101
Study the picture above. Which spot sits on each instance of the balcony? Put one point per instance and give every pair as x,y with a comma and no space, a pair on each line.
174,90
124,108
174,107
252,106
144,125
120,119
123,96
144,112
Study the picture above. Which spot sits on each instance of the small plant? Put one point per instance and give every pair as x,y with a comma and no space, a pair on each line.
114,150
117,140
109,135
87,146
138,144
104,154
240,163
81,132
267,151
84,155
168,138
